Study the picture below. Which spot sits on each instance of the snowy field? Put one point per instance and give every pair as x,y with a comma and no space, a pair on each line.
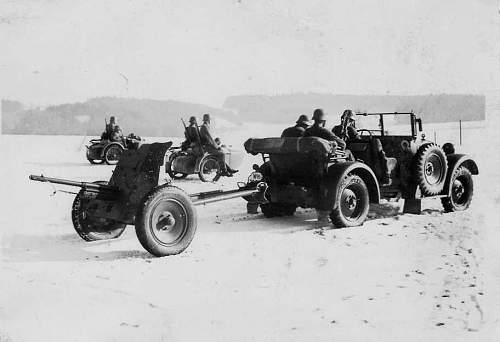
429,277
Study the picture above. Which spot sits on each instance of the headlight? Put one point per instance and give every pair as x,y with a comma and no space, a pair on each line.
255,177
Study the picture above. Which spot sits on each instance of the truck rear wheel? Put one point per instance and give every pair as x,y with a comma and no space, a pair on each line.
352,203
462,189
91,228
277,209
431,168
166,222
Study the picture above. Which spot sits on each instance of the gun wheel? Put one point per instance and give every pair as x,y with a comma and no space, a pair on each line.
91,228
166,223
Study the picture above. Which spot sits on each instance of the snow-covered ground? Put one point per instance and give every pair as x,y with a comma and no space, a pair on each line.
429,277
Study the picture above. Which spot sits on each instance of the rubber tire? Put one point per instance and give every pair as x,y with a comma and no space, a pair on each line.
94,162
174,175
85,226
277,209
421,159
145,213
449,203
356,184
106,154
177,175
202,176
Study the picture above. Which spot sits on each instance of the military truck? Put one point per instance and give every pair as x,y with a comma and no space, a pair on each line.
310,173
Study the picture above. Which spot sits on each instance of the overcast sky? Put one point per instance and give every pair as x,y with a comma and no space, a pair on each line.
203,51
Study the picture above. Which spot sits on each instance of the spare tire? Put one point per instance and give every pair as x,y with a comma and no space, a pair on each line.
431,167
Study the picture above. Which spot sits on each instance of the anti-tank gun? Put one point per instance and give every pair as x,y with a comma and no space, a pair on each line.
164,215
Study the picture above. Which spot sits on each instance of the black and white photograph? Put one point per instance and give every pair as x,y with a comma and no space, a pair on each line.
249,170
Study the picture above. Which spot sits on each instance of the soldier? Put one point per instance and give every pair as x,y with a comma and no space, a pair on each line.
110,127
113,132
298,130
318,129
347,131
117,134
191,135
347,128
214,146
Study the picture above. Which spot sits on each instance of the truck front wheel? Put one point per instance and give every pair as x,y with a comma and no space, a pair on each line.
462,189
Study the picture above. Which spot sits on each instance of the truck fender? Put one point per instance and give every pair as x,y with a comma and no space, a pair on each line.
337,172
455,161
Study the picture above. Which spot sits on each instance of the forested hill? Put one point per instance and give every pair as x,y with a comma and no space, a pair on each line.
286,108
148,117
142,116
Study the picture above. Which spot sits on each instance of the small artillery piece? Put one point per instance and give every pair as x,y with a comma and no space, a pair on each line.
164,215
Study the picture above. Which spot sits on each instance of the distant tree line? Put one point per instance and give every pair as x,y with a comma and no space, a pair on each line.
284,108
162,118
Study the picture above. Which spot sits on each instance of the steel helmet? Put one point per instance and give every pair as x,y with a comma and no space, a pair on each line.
319,117
303,119
349,115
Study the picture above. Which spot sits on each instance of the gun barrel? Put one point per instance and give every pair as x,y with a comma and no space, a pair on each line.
85,185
